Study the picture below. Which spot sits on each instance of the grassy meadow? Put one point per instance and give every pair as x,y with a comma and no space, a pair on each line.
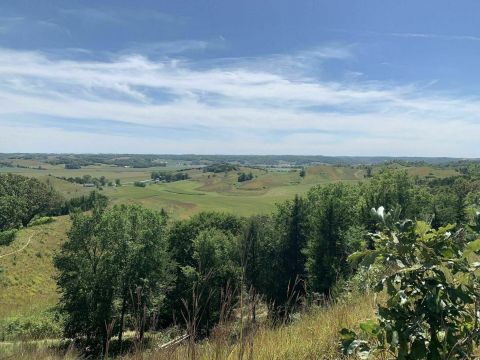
27,281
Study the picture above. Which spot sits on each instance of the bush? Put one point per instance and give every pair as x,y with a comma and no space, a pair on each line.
42,325
7,237
139,184
41,220
431,292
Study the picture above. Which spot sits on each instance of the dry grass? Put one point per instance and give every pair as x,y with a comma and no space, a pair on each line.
41,350
314,335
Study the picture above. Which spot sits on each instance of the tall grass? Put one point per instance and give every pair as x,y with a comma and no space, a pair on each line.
314,334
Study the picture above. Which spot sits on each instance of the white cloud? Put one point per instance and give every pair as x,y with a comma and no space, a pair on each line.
252,108
437,36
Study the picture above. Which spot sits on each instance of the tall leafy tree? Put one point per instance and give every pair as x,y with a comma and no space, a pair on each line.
182,235
390,188
259,255
109,256
22,198
216,272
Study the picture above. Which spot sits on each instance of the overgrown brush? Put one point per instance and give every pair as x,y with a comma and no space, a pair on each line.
42,325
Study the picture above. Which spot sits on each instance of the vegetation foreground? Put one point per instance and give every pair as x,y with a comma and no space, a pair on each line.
383,268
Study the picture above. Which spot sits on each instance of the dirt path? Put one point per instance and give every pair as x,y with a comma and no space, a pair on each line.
358,174
18,250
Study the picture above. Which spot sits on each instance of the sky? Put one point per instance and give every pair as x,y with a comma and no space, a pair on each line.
370,77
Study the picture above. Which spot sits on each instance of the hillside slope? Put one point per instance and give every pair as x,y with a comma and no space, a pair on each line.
26,281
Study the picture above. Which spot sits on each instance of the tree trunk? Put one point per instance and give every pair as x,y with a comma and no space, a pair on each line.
122,317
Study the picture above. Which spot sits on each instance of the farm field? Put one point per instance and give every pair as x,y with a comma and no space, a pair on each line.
206,191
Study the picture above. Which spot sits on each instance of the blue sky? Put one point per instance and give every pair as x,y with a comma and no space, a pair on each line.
397,78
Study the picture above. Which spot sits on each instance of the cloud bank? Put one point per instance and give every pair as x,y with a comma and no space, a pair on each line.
274,104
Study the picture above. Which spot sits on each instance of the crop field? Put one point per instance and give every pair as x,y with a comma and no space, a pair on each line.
205,191
202,192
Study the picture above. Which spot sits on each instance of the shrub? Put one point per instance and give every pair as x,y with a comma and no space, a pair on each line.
7,237
41,220
42,325
431,291
139,184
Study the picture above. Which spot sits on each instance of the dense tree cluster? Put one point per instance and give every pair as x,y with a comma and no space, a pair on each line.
72,166
22,198
83,203
165,176
87,179
245,177
220,167
114,267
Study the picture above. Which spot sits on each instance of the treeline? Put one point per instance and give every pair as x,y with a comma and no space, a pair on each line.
220,167
83,203
169,176
145,267
76,161
88,179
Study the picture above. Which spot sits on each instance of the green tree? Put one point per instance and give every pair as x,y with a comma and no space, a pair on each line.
22,198
110,255
259,250
390,189
334,211
217,271
288,262
182,235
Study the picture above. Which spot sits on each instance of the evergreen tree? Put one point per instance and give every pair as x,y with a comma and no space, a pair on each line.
334,211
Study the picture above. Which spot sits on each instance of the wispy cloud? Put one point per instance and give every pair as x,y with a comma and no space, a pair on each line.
436,36
246,104
14,24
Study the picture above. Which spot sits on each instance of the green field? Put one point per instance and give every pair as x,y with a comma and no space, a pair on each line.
202,192
206,191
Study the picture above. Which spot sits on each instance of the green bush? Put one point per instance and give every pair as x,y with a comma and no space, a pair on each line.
42,325
41,220
431,289
7,237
